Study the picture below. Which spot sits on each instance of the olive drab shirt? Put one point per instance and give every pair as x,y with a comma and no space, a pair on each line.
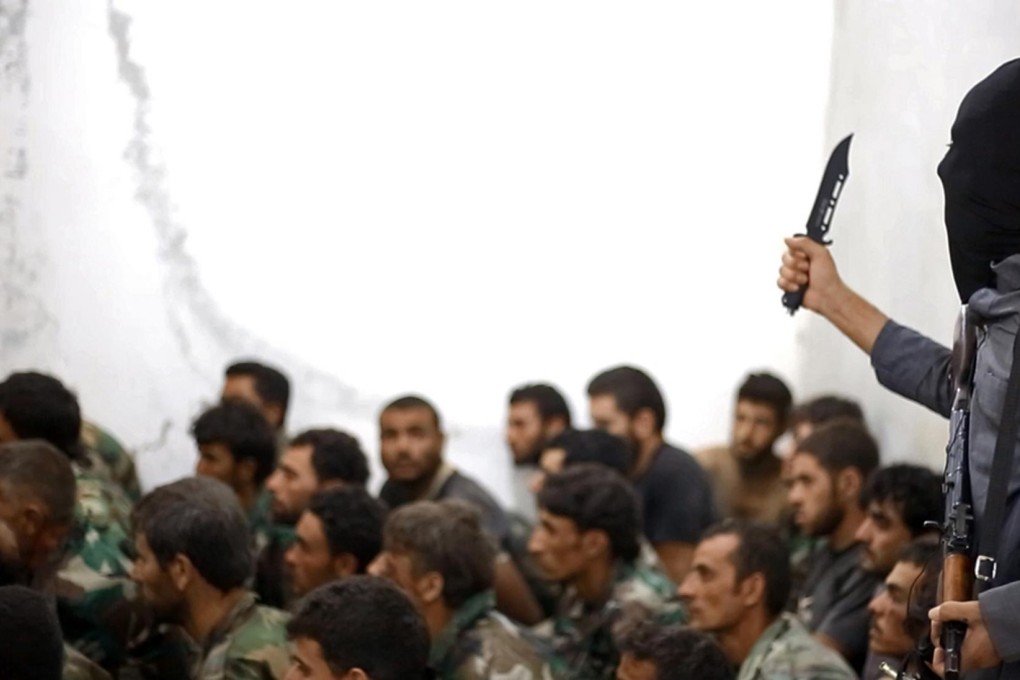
249,644
585,636
786,651
480,643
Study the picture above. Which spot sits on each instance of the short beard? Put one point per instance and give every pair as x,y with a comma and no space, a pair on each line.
829,520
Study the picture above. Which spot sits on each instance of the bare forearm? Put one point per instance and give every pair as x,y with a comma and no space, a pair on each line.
854,316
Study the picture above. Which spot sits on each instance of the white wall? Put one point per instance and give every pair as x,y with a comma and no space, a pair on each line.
457,197
899,72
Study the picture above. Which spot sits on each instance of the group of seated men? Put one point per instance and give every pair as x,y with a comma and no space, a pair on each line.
623,555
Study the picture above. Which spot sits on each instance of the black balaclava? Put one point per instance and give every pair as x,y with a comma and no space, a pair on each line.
981,179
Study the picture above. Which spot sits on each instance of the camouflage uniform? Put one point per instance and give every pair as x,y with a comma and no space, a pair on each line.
586,637
78,667
108,455
92,584
249,644
479,643
270,540
786,651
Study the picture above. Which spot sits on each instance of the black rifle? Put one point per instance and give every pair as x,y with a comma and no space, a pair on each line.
958,529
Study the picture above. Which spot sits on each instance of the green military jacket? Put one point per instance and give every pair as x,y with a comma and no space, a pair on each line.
787,651
480,643
92,584
111,459
585,635
249,644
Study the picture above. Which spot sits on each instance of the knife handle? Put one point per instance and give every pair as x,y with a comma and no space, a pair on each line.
792,301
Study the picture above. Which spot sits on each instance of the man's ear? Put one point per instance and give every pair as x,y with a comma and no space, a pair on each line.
181,572
429,587
752,589
274,414
848,484
643,424
354,674
345,564
594,542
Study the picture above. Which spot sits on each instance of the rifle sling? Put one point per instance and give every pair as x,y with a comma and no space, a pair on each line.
1002,464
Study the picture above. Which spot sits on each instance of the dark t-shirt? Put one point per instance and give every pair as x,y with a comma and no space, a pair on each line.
834,600
459,487
676,497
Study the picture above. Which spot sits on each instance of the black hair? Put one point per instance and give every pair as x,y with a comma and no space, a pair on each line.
924,552
633,390
761,550
364,622
676,651
336,455
412,401
595,497
271,385
593,446
915,491
200,518
842,444
38,406
243,430
765,388
31,645
548,400
35,468
446,537
352,521
827,408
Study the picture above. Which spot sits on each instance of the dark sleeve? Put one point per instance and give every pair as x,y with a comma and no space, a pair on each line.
848,619
678,502
1000,608
494,520
913,366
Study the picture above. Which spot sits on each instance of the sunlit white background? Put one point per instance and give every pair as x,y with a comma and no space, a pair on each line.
448,198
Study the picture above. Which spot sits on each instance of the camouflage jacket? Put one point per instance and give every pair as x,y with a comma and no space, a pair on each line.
786,651
78,667
249,644
585,636
93,590
112,459
479,643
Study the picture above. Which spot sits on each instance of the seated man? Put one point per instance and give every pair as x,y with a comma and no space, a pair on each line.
38,406
827,473
910,585
337,536
747,475
362,628
810,415
587,538
313,461
237,446
580,446
898,500
262,386
676,497
650,652
439,555
537,413
411,441
193,558
736,590
43,544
